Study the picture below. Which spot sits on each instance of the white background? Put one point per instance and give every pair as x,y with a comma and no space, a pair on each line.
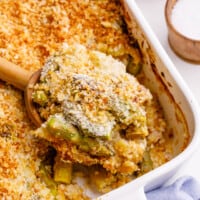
153,11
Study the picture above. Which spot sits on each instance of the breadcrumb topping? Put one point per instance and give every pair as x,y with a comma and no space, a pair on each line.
30,32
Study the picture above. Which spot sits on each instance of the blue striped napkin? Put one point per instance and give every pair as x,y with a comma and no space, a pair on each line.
184,188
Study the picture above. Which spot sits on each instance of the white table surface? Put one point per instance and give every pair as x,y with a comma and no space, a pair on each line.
153,11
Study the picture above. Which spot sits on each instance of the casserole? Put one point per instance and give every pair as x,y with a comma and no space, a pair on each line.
157,79
180,107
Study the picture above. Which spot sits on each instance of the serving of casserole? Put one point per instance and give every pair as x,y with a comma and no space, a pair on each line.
117,117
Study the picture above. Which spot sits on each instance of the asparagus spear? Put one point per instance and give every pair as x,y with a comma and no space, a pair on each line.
62,171
40,97
58,127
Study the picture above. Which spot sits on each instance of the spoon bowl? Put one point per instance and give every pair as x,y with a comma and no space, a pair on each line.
30,107
23,80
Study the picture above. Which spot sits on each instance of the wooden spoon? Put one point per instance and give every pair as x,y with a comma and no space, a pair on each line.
23,80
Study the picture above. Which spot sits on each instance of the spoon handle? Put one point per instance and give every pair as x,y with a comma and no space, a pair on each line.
13,74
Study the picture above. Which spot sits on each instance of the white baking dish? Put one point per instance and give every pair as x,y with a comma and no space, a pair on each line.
180,107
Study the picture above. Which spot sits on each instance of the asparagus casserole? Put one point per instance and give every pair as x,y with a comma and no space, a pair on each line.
94,112
92,108
100,122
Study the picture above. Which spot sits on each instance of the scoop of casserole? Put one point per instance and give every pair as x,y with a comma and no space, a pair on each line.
94,111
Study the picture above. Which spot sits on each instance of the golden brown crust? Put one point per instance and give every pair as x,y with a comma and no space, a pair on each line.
30,31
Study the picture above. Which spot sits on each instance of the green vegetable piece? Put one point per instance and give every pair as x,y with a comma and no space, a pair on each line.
147,163
40,97
62,172
57,126
133,67
60,128
46,177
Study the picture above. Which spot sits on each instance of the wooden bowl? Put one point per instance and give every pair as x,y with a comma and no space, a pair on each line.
186,48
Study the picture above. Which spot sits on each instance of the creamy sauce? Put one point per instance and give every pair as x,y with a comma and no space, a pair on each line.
186,18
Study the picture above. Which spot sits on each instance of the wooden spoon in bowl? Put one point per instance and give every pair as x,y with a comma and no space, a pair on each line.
23,80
